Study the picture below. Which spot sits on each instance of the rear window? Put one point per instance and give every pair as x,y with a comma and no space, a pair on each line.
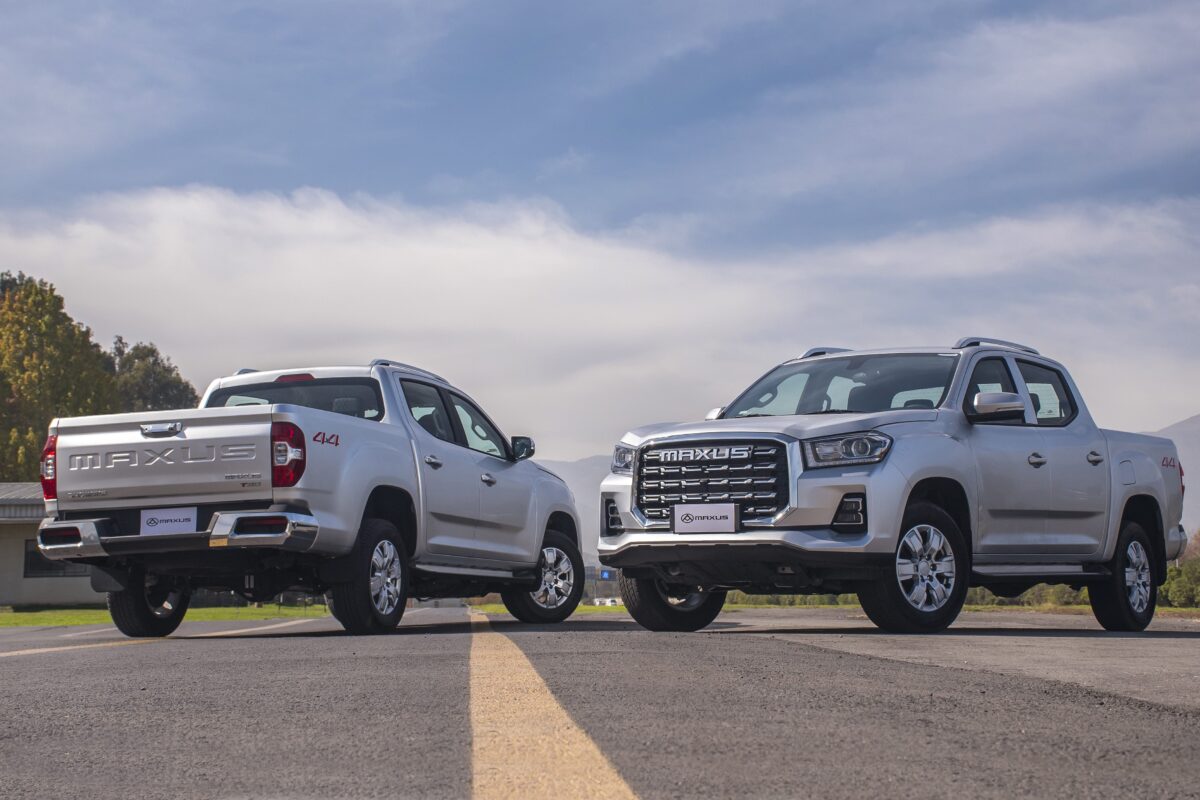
354,397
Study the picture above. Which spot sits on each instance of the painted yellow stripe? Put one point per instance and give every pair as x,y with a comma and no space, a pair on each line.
524,744
37,651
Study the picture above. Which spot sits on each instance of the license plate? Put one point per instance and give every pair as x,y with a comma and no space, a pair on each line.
158,521
705,518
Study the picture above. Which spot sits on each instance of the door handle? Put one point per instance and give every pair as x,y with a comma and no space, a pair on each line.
488,479
1036,460
1095,458
433,461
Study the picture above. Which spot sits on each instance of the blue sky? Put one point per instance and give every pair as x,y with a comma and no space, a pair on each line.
864,173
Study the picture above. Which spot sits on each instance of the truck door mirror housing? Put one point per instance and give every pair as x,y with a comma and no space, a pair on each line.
715,413
522,448
997,407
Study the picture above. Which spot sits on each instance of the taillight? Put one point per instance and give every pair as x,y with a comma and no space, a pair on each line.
295,377
1182,488
49,468
287,454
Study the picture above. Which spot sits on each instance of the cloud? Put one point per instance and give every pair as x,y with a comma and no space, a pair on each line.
574,337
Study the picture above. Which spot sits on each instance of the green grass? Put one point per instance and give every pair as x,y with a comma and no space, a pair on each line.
51,617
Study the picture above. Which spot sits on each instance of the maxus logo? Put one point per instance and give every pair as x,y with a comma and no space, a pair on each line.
690,518
734,453
170,455
154,522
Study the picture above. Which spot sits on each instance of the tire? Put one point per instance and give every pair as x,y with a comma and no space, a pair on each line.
658,607
1126,600
150,607
373,600
562,572
924,589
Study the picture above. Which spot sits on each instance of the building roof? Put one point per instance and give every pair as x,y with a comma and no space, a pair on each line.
21,502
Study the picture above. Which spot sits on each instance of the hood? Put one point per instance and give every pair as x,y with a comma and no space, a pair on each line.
549,472
806,426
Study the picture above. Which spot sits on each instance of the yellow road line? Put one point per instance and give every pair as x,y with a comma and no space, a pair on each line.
523,743
39,650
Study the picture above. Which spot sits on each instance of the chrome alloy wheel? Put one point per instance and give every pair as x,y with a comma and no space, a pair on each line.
688,601
386,577
1137,577
162,596
925,568
558,579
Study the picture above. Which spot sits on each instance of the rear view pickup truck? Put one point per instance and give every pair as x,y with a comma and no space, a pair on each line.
905,476
370,484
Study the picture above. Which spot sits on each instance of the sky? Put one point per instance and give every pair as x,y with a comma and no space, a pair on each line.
593,216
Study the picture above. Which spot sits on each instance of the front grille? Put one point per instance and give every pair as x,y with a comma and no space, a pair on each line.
752,474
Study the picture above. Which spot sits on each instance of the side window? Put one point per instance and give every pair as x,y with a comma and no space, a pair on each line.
1052,403
426,406
480,434
990,375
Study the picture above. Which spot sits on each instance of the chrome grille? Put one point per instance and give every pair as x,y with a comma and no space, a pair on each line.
752,474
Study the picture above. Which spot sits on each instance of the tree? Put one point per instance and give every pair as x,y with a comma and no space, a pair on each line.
146,380
49,367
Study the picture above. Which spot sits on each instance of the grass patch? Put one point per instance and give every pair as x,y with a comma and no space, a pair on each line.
53,617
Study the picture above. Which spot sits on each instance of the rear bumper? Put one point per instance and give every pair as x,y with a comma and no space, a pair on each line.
78,539
1177,540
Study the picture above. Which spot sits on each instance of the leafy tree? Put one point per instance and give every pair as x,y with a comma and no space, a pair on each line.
146,380
49,367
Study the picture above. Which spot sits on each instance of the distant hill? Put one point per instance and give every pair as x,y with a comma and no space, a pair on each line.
584,477
1186,436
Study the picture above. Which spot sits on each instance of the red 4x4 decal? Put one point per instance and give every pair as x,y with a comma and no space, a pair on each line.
326,438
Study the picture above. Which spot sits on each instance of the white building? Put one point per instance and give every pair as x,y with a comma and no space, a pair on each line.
26,578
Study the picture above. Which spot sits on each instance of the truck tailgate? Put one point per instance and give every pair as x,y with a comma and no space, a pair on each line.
194,455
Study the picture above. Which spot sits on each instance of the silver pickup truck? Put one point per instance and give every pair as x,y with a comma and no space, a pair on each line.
905,476
372,484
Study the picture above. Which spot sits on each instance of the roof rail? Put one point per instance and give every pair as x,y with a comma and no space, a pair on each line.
975,341
823,351
387,362
245,371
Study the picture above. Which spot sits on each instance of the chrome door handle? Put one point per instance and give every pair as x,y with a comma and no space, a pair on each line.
433,461
488,479
1095,458
1036,460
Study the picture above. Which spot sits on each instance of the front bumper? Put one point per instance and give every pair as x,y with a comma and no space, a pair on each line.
78,539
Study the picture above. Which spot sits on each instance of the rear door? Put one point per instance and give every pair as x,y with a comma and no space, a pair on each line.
163,458
1013,484
1076,523
449,479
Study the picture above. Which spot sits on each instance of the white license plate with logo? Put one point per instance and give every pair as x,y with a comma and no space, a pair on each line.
158,521
705,518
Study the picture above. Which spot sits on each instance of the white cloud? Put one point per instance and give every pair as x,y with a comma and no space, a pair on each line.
573,337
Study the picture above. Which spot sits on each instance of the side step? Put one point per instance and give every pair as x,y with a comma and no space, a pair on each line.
1024,572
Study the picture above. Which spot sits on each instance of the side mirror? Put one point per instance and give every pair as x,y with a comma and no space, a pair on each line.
716,412
522,448
997,407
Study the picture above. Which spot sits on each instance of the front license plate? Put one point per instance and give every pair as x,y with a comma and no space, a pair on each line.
156,521
705,518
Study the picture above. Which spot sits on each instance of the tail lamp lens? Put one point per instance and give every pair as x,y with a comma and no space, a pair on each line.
49,468
287,454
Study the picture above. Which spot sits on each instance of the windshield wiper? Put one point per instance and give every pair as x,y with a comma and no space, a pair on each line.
831,411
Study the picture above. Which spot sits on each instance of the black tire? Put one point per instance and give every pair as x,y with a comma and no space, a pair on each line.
355,605
150,607
525,605
658,607
1113,601
887,603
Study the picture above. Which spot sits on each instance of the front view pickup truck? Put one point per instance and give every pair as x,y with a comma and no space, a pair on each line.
371,484
905,476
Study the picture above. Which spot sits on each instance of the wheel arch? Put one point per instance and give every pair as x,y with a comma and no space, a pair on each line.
395,505
950,496
1145,511
564,523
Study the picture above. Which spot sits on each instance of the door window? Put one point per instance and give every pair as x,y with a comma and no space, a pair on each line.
426,406
1052,403
481,434
990,375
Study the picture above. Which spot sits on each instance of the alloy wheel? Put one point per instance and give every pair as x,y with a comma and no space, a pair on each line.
386,577
1137,577
558,579
925,568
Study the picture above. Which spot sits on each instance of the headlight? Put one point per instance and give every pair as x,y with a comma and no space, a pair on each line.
623,459
847,450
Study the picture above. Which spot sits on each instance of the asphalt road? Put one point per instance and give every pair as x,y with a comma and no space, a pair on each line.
778,703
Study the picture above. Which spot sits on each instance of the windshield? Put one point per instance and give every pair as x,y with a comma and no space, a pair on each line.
354,397
849,385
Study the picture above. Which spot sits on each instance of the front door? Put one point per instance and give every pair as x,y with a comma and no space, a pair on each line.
1013,482
1077,453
